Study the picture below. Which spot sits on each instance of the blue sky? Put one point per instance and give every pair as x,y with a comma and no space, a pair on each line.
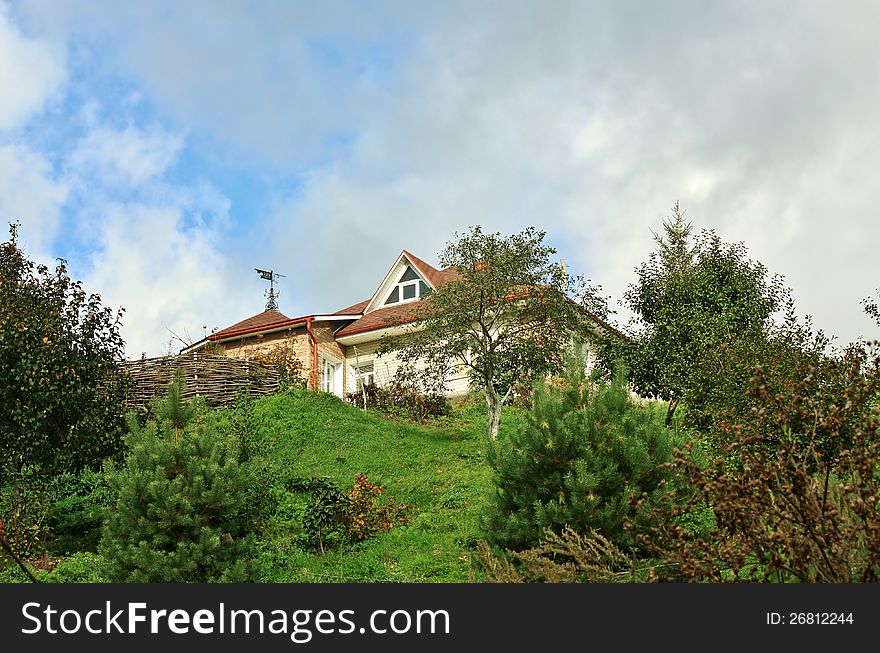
166,149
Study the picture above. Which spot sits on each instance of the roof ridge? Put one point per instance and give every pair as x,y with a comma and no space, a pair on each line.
267,318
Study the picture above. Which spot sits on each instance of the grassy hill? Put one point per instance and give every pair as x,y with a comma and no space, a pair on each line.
439,469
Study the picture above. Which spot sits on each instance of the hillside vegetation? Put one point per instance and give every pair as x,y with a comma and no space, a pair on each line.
437,468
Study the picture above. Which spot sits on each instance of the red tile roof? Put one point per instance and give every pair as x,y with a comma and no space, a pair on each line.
265,319
431,273
354,309
447,275
383,317
377,319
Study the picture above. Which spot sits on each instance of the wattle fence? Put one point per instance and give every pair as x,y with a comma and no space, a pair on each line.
216,378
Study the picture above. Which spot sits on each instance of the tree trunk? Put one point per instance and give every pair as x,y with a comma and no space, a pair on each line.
673,404
8,549
493,403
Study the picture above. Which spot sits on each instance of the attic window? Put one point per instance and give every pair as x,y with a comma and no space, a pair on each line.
409,288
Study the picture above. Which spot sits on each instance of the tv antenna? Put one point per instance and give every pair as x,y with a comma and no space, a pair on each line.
271,295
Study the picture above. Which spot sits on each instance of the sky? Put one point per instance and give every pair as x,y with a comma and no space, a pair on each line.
166,149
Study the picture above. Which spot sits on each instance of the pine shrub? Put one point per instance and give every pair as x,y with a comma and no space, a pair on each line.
586,455
179,512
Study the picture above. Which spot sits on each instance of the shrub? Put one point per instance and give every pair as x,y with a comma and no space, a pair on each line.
790,504
284,359
178,515
335,517
402,399
568,557
24,505
585,455
76,514
364,517
82,567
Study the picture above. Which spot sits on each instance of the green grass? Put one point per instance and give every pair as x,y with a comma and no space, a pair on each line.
438,468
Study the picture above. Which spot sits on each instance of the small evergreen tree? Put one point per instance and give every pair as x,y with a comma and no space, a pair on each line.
179,513
585,456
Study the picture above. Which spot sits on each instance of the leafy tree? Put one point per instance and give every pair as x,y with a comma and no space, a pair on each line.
180,512
586,455
508,317
694,297
872,308
61,394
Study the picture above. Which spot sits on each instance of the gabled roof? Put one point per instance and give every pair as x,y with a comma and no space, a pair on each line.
382,318
431,274
262,320
377,319
434,277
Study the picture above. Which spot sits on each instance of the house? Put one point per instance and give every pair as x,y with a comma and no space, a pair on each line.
339,350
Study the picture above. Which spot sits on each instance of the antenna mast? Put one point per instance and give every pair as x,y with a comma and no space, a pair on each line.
271,295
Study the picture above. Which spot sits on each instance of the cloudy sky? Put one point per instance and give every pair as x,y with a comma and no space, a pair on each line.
166,149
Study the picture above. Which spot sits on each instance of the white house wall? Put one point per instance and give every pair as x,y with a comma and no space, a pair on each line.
385,367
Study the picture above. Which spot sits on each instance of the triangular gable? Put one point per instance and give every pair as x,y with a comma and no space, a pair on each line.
426,273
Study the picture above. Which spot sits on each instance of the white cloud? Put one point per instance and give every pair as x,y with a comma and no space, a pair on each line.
31,71
131,156
587,120
29,193
590,122
155,244
168,273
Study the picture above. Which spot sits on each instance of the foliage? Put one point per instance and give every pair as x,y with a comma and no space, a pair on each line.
335,517
507,317
693,298
24,505
438,467
405,396
872,308
76,514
365,516
84,567
567,557
587,453
62,394
799,376
795,492
322,520
241,430
284,359
178,515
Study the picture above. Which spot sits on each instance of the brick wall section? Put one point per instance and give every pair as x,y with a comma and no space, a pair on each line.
296,339
327,345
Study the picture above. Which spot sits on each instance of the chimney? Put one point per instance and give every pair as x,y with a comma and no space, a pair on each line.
564,266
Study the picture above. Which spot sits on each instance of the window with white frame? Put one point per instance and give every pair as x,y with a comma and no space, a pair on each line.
364,375
409,288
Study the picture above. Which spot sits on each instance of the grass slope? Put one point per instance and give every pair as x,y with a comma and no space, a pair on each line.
439,469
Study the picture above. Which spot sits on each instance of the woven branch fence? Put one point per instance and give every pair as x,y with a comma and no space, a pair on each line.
215,378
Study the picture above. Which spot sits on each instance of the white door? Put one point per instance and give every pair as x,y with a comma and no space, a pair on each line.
331,376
